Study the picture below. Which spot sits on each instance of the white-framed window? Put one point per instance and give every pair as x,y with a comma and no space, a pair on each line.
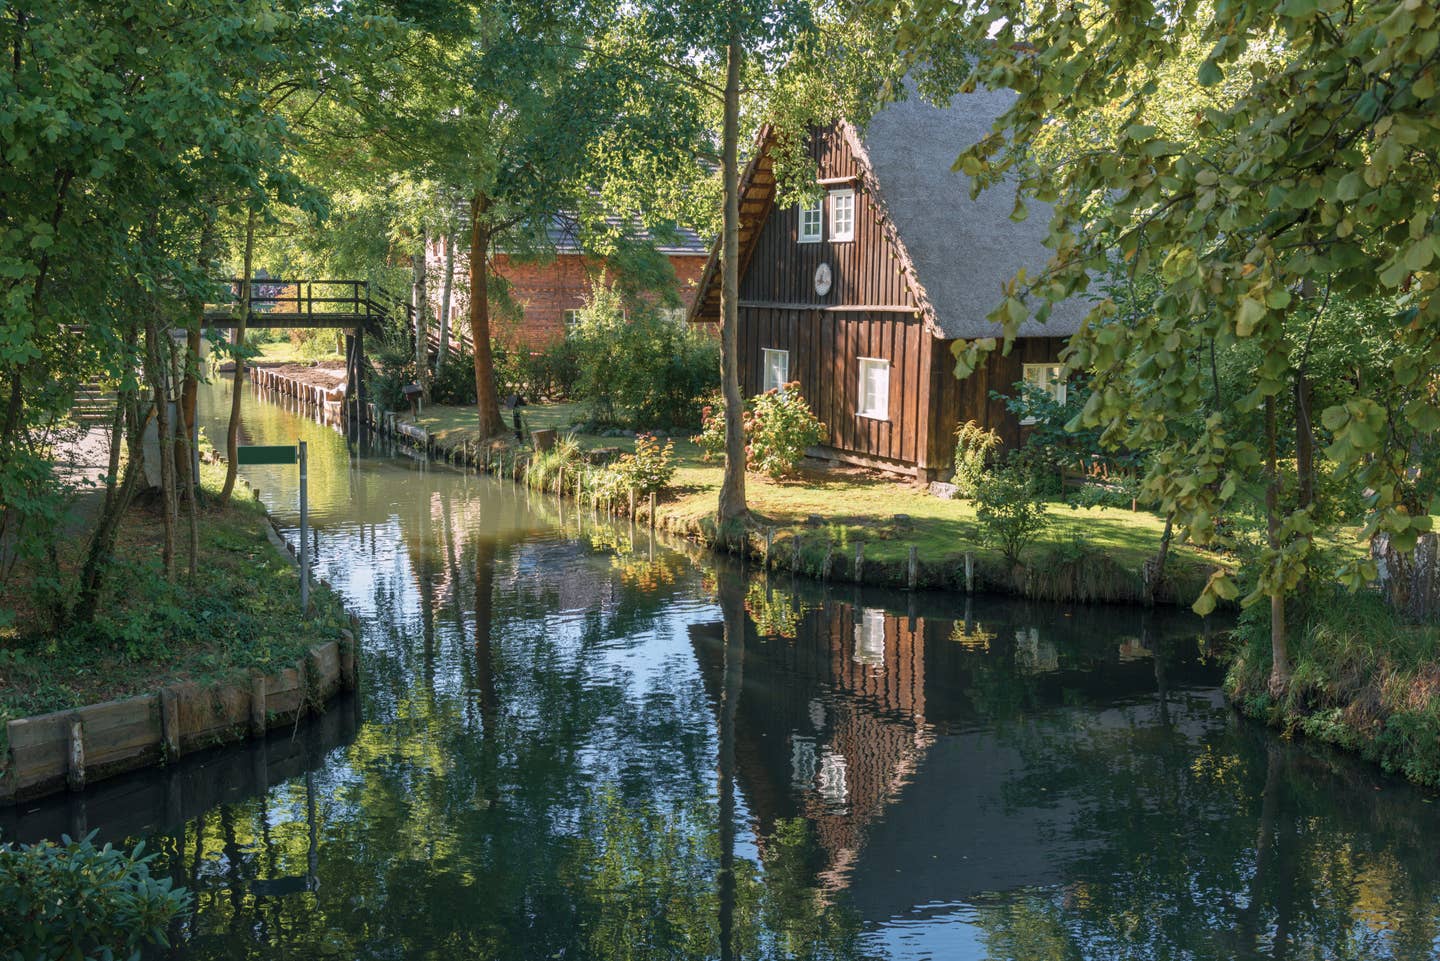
777,368
842,214
811,229
676,315
870,637
572,319
1049,378
874,388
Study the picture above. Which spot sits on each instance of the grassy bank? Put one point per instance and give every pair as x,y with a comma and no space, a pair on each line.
1363,680
1086,553
240,614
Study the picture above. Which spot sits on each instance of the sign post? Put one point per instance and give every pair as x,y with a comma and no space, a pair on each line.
304,538
257,455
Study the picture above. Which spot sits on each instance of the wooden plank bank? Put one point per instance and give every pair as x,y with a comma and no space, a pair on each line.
50,753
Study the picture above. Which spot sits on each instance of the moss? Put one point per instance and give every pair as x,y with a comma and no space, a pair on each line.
241,614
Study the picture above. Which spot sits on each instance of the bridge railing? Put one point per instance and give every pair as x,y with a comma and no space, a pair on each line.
273,295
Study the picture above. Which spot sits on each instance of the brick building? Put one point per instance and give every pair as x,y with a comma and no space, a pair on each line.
547,293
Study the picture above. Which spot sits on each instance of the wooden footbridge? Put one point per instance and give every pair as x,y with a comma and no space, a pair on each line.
353,306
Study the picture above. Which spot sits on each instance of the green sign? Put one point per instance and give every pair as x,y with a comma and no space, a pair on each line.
266,454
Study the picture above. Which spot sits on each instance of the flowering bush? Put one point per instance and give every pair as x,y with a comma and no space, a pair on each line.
652,466
711,439
779,428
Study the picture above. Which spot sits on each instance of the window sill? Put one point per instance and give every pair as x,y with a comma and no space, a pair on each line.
809,240
882,418
842,240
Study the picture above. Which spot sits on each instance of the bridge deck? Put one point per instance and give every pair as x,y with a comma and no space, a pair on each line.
226,320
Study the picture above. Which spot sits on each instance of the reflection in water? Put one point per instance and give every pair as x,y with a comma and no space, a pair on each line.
572,741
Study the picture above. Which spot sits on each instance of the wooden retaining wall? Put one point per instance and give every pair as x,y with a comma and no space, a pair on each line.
69,749
329,401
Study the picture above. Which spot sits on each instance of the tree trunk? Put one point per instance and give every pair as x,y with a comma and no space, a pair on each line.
156,364
1154,570
1304,440
447,286
1279,649
420,296
128,427
188,456
232,434
732,506
487,402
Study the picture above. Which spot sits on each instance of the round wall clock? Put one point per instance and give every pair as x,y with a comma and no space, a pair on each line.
822,280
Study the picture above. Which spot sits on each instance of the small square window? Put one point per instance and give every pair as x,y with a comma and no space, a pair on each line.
842,214
1049,378
874,388
676,315
572,319
810,225
777,369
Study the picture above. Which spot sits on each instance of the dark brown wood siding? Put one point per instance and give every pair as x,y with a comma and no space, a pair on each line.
825,349
865,271
956,401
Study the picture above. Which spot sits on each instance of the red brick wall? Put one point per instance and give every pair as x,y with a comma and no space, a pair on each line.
541,293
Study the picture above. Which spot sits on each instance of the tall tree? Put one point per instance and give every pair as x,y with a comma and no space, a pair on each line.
1316,175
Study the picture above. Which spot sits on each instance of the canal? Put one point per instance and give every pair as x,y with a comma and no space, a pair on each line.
576,741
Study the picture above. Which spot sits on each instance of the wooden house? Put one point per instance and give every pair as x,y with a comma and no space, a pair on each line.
861,296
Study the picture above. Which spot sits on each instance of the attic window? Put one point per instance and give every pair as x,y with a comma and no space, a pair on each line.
810,229
842,214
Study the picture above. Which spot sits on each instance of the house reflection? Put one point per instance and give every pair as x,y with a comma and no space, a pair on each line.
880,729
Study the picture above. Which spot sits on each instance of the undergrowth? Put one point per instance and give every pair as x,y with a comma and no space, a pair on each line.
1362,679
240,614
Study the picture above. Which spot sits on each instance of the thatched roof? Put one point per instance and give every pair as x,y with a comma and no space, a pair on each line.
956,252
962,250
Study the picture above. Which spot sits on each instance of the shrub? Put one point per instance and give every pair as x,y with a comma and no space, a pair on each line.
546,468
640,370
74,900
1010,510
974,447
779,428
455,382
711,439
394,367
651,467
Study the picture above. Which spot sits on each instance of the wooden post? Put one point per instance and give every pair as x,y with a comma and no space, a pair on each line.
769,542
652,510
257,705
170,724
859,562
914,566
829,562
969,573
632,503
75,770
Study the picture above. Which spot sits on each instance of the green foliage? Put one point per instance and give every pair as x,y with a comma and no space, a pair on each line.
1010,511
455,382
779,428
651,468
392,367
1230,238
637,368
74,900
711,439
974,447
547,468
1362,679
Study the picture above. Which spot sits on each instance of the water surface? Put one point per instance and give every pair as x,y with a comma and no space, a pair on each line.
574,741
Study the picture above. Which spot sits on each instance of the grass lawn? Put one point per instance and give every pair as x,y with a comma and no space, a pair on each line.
240,614
858,505
287,352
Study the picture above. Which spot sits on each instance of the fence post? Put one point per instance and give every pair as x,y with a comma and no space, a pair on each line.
859,562
969,573
75,770
652,510
769,540
914,566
